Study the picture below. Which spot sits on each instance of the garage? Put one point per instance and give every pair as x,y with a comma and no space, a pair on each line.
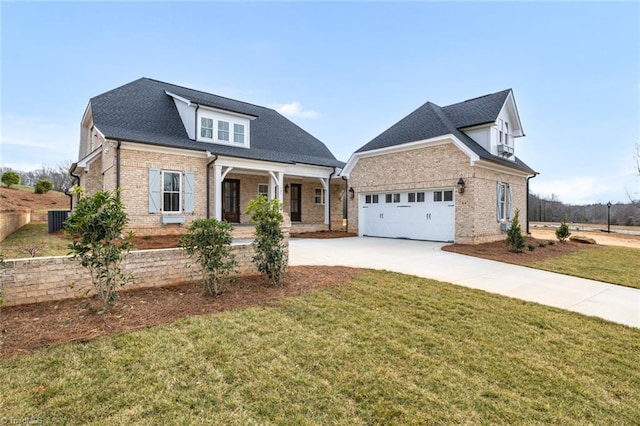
417,215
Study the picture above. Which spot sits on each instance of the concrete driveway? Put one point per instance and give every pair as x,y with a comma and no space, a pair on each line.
425,259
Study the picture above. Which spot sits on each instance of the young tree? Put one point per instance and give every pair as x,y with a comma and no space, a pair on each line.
96,228
270,252
10,178
562,232
209,242
515,240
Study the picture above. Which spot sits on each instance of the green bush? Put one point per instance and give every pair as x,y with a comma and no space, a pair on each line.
96,228
270,251
515,240
43,186
542,244
10,178
562,232
209,242
531,247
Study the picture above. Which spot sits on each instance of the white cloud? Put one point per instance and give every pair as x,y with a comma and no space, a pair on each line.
294,109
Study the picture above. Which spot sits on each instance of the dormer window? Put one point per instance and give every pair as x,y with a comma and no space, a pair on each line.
206,127
238,133
504,138
223,130
226,129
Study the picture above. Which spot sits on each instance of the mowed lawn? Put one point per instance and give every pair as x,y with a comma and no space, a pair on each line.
611,264
385,348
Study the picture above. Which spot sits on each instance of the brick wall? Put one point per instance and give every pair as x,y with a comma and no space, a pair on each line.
440,166
55,278
12,221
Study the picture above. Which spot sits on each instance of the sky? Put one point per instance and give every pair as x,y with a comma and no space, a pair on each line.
343,71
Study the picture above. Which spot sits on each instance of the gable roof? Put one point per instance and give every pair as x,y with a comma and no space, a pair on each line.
430,121
141,111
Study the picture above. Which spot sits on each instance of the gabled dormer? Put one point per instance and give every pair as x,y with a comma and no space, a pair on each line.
501,122
208,123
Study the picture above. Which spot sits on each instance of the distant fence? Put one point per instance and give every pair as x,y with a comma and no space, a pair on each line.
12,221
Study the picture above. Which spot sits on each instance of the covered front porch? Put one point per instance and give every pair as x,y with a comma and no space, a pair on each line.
312,196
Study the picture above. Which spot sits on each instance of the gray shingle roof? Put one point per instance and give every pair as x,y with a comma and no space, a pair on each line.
430,121
141,111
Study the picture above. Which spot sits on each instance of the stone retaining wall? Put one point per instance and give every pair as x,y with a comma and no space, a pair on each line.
12,221
46,279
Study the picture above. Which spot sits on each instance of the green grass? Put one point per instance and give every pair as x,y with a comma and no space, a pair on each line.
615,265
35,234
383,349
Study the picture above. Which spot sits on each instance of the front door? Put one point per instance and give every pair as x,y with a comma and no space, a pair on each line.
296,202
231,200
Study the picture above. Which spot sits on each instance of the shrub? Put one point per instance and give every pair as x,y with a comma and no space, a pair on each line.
542,244
551,242
531,247
43,186
515,240
209,242
96,227
10,178
270,252
562,233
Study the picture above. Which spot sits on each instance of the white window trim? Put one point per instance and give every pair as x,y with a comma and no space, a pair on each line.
504,204
162,191
315,196
232,120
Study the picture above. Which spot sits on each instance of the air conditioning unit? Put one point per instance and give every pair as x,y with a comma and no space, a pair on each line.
505,150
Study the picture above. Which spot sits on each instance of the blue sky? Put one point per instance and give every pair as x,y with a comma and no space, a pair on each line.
344,72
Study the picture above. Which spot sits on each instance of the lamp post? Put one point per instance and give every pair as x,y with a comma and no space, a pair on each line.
609,217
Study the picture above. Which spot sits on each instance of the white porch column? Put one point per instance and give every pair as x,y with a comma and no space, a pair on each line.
217,187
280,176
276,183
327,193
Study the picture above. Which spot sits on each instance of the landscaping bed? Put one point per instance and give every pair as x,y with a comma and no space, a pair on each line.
29,327
499,251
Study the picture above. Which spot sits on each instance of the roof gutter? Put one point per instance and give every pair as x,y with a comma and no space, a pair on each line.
215,157
75,178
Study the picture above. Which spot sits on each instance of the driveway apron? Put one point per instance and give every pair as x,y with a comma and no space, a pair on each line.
425,259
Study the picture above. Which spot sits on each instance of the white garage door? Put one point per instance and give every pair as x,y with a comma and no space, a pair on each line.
417,215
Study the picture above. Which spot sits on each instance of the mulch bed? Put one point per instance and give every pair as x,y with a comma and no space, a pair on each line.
29,327
499,251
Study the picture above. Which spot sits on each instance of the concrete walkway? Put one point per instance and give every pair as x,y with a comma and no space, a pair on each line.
425,259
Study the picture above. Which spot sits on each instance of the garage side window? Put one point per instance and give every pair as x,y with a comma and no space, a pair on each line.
319,196
504,204
371,199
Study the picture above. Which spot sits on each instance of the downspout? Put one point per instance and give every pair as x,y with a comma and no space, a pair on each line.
527,203
329,189
215,157
195,125
346,197
75,178
118,166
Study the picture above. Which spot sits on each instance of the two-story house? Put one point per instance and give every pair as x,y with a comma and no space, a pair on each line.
442,173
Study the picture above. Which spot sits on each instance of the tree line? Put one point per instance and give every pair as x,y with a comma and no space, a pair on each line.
58,175
551,209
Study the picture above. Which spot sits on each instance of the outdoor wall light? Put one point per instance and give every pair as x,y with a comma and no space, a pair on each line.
286,188
352,193
461,185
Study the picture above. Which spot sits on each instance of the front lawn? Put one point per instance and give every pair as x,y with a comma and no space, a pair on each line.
384,348
610,264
